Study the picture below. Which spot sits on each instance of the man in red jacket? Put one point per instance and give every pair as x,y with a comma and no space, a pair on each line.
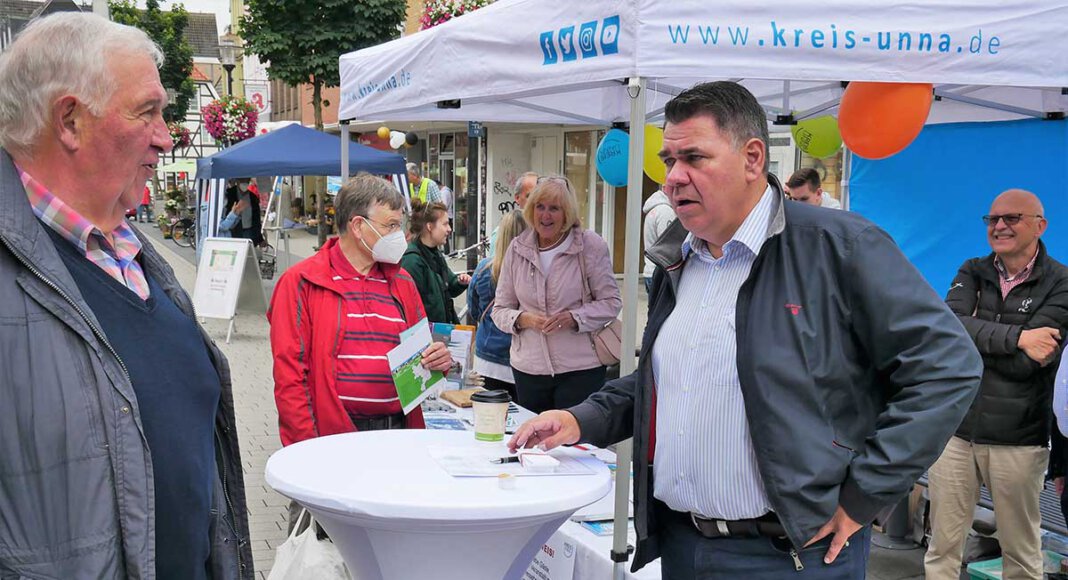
335,315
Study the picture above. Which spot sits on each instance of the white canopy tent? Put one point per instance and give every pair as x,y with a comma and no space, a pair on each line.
606,61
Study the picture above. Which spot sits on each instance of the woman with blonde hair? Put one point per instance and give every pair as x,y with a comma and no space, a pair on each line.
556,289
491,345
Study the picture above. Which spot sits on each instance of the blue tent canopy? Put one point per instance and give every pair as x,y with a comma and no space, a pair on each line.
295,150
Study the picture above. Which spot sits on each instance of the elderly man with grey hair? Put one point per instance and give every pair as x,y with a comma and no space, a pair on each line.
118,448
422,188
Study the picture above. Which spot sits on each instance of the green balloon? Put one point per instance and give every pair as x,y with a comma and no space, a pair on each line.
818,137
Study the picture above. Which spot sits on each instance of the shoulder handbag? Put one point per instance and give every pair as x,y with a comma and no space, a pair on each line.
607,341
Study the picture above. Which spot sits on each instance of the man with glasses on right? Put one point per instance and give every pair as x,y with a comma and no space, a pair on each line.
1014,304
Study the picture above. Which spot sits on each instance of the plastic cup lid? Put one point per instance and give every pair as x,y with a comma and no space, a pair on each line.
497,396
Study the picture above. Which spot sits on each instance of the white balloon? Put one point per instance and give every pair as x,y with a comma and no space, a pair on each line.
396,139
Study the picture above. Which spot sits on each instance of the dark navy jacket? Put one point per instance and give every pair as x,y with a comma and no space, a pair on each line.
854,372
490,343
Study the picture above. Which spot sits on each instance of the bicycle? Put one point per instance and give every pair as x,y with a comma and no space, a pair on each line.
184,233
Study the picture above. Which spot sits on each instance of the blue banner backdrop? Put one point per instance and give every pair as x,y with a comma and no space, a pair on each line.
930,197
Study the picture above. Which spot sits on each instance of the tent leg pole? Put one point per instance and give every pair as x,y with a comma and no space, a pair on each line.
289,257
229,330
628,363
847,173
344,152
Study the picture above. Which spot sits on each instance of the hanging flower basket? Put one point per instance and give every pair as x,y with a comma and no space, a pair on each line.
438,11
180,135
230,119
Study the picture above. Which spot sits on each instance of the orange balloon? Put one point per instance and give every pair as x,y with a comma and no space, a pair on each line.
878,120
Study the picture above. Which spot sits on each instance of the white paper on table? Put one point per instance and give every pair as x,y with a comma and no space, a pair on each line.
475,462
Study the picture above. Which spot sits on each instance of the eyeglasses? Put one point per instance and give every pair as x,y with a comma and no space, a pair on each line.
1010,219
557,178
390,228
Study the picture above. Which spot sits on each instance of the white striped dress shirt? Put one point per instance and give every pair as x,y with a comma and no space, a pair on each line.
704,460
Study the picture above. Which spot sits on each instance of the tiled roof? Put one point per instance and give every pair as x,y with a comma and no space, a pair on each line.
25,9
20,9
16,14
198,75
202,34
63,6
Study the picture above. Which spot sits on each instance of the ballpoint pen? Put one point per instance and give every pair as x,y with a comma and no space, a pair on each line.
509,459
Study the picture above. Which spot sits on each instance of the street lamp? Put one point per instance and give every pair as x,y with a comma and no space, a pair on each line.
228,50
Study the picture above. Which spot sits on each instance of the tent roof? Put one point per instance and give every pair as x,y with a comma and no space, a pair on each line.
295,150
559,61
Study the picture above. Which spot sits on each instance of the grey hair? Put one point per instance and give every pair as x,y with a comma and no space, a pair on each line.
413,168
519,182
360,194
66,53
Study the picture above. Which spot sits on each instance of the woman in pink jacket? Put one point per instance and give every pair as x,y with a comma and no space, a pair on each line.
556,287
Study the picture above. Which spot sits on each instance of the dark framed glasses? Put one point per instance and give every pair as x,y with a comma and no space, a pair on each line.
1010,219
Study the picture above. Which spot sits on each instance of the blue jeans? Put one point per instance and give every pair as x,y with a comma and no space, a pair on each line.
687,555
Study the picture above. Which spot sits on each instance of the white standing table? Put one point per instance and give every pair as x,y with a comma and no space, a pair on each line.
396,515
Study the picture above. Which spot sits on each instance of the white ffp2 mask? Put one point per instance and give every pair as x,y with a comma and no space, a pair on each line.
389,248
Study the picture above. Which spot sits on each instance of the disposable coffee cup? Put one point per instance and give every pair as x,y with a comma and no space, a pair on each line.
491,414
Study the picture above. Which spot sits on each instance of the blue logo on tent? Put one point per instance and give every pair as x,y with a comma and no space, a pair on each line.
588,39
610,35
548,48
567,43
559,45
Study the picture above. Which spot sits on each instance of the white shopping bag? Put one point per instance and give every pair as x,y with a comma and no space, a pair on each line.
303,556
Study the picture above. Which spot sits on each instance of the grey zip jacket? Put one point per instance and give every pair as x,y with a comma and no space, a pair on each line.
76,488
854,372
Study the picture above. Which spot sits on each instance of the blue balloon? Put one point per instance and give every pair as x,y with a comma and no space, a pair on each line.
612,157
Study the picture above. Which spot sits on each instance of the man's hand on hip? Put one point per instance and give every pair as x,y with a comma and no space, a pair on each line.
842,527
1040,344
547,430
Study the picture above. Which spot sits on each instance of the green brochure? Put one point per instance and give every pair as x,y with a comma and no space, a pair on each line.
414,383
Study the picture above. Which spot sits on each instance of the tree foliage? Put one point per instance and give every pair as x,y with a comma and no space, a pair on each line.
166,29
302,39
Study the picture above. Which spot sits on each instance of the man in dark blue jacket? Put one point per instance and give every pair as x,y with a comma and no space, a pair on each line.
796,376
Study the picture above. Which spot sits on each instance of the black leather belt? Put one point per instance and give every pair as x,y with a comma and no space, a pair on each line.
378,422
767,526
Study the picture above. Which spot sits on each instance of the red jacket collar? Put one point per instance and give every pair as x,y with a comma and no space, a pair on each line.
316,269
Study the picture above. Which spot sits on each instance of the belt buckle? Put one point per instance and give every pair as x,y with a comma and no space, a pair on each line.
721,526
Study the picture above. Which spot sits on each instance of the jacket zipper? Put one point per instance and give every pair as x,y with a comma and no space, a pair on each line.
979,399
103,339
229,503
544,338
798,566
